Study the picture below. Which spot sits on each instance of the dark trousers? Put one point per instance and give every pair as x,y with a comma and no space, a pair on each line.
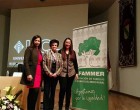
32,98
65,89
49,92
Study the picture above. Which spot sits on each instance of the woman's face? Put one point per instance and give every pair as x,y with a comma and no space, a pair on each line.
67,44
37,42
54,47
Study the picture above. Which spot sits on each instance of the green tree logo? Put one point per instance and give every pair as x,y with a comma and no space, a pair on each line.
91,44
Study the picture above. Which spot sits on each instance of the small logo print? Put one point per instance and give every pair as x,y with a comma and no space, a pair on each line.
18,47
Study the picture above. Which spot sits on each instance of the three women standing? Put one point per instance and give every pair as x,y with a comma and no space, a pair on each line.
62,64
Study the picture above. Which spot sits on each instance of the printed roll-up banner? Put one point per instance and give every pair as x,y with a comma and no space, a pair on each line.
90,91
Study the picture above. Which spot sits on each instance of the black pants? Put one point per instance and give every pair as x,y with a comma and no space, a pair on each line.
32,98
49,92
65,89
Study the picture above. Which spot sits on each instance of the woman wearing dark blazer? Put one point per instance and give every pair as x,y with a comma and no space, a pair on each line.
69,72
52,64
32,76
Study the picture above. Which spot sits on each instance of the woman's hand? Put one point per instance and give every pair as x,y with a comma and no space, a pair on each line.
76,76
51,75
54,75
29,78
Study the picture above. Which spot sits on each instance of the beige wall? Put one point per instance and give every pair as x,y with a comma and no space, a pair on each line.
4,41
126,80
1,40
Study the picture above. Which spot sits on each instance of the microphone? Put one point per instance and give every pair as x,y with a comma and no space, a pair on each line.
12,69
14,65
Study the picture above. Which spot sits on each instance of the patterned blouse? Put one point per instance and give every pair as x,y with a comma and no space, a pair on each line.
48,60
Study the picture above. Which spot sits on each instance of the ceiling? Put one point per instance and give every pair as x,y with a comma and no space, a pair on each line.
96,6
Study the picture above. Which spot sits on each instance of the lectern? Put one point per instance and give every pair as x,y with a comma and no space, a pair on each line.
6,81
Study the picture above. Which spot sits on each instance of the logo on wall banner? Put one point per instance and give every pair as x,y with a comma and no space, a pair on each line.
90,91
18,47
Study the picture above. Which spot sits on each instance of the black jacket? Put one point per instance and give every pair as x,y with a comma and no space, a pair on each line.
30,63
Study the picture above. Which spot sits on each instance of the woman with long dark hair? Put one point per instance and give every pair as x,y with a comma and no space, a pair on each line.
69,72
33,71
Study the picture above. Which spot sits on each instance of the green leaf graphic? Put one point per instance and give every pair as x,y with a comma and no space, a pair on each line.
90,44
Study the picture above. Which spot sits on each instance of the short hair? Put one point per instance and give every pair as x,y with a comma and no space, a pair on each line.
54,41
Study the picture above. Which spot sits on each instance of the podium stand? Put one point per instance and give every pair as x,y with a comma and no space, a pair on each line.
6,81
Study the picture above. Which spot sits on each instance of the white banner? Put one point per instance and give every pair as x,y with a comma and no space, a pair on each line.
90,44
90,91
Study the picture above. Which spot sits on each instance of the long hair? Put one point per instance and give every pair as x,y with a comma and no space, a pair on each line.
71,47
32,45
71,51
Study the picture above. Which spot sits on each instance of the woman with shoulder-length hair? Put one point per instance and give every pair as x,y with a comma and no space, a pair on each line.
32,76
69,72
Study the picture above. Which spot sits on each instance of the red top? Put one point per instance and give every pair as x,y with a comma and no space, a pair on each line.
38,75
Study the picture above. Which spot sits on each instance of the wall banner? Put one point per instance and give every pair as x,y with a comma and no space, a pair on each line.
90,91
